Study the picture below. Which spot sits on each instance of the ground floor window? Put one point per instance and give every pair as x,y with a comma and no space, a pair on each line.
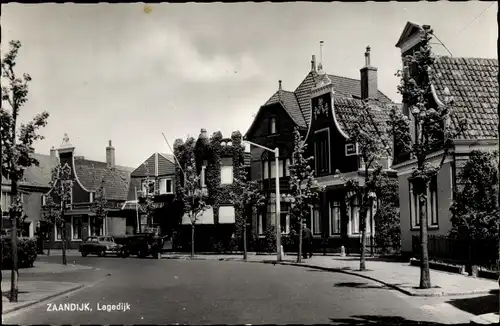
335,217
96,226
285,218
76,228
57,233
316,220
354,216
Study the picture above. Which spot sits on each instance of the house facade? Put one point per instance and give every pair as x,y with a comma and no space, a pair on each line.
88,176
156,177
33,187
322,107
218,161
473,84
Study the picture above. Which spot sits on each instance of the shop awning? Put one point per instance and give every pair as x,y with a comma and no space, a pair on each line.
206,218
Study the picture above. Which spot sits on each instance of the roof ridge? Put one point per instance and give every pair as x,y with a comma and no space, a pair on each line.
475,58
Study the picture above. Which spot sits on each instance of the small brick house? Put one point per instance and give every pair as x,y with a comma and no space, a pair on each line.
322,107
88,175
473,84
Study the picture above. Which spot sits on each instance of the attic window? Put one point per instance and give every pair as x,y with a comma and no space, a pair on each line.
272,125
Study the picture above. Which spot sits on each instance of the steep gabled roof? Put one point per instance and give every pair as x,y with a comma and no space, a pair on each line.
116,181
289,102
473,84
343,87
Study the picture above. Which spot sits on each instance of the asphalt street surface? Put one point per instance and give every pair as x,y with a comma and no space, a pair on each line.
171,291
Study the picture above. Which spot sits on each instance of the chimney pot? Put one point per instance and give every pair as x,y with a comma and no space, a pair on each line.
313,63
279,84
110,156
53,152
369,87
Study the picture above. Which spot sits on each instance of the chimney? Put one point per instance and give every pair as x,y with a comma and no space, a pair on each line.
369,87
53,152
279,85
110,156
313,63
203,133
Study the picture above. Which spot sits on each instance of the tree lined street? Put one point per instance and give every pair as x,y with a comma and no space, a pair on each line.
214,292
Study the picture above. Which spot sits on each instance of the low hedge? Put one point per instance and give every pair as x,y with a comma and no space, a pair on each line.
26,252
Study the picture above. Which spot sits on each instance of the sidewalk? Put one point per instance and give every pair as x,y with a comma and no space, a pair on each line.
44,267
58,253
32,292
400,276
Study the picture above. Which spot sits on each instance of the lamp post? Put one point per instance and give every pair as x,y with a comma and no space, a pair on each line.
278,198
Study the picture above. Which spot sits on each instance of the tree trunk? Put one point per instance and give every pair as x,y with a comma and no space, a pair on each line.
245,254
299,255
14,271
63,242
425,277
51,240
192,241
362,259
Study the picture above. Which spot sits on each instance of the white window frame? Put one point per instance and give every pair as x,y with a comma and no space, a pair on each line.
327,130
265,170
356,149
92,195
164,189
335,204
316,211
73,230
287,218
287,167
353,218
103,227
260,225
231,173
272,127
432,206
57,234
202,174
44,200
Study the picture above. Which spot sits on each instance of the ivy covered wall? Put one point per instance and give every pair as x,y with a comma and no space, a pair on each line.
211,151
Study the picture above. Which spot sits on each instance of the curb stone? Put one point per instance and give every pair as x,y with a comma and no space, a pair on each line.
33,302
343,271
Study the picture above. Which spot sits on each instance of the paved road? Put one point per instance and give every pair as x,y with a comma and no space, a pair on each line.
216,292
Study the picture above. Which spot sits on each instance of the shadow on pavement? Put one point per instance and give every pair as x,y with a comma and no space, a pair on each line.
358,285
477,305
379,320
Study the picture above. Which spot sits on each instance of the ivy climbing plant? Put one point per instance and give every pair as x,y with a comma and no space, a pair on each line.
210,151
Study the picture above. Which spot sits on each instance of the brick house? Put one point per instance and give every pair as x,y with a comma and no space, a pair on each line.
473,83
322,107
160,168
35,184
88,176
218,161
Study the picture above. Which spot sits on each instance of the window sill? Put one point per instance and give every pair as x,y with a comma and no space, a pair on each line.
433,227
337,235
76,240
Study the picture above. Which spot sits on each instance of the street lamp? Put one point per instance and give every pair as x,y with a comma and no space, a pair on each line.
278,201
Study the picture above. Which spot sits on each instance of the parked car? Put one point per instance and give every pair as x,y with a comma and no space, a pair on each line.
102,246
142,244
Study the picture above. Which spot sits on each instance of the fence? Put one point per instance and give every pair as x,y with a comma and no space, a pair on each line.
477,252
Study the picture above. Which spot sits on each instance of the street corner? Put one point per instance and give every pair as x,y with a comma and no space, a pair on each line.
35,292
49,267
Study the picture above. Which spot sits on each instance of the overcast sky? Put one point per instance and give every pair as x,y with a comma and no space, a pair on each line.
114,72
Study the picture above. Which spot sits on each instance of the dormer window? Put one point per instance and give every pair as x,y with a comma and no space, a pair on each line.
148,187
272,126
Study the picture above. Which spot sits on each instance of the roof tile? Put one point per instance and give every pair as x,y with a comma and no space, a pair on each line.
475,92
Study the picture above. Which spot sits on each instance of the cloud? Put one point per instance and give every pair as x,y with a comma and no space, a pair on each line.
180,57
